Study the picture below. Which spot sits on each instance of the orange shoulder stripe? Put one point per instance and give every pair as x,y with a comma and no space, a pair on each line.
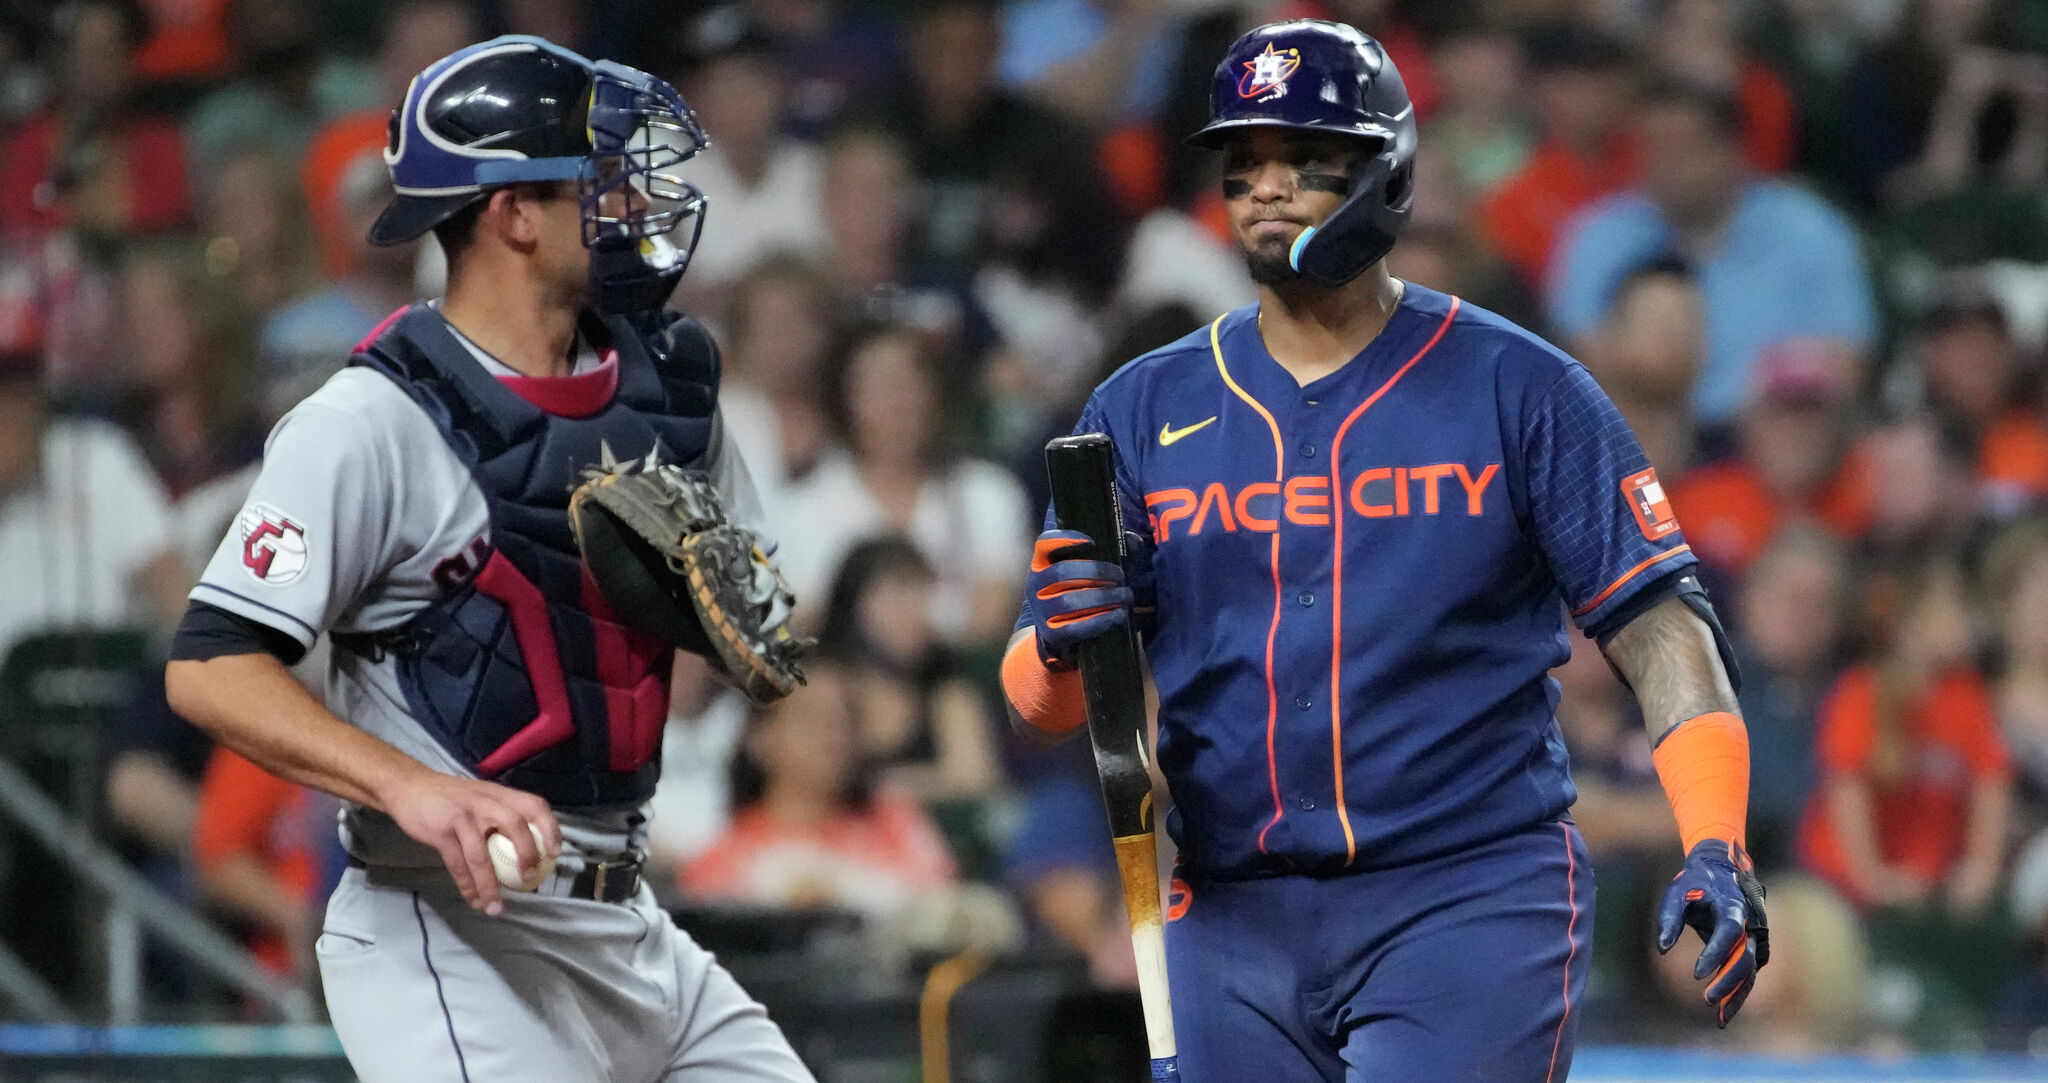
1625,577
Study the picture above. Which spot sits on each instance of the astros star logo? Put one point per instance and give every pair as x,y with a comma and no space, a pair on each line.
1268,71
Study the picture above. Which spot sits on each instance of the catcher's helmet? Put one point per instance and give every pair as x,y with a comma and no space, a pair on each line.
1312,75
516,109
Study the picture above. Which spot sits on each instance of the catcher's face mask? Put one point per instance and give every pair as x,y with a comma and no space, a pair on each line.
632,196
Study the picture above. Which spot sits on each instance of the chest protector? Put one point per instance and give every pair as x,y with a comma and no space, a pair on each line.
519,668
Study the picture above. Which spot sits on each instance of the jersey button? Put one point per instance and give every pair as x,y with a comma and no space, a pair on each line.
1308,451
1303,702
1305,598
1308,804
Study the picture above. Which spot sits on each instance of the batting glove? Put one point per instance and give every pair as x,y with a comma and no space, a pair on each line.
1074,597
1718,894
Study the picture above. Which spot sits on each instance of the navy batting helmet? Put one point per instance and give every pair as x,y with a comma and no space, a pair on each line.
517,109
1312,75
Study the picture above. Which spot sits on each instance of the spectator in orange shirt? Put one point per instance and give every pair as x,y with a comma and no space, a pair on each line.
187,44
1974,376
1793,460
811,828
1581,92
414,34
267,852
1916,784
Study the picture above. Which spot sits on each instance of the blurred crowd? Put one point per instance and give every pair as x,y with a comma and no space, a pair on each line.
1803,244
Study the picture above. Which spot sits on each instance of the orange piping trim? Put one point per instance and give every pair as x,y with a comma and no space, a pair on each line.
1337,577
1625,577
1272,630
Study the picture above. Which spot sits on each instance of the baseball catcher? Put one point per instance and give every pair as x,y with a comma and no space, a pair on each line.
507,512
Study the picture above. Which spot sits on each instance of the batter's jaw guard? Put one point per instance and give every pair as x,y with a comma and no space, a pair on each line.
1362,230
1318,76
519,109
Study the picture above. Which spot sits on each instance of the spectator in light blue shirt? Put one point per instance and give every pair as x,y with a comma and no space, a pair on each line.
1099,62
1773,261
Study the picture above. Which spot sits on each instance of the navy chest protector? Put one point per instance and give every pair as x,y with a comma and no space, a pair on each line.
519,668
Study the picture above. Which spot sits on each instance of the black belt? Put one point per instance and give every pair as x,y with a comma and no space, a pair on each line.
600,881
607,881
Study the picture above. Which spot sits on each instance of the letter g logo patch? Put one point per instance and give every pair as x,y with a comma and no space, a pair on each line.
273,544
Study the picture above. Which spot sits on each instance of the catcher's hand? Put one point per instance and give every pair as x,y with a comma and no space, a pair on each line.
1718,894
664,553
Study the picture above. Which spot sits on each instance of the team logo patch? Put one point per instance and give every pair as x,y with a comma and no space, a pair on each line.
1645,496
273,544
1268,71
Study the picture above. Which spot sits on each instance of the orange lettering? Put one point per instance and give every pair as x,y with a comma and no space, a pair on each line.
1215,497
1301,506
1430,476
1400,490
1244,506
1475,490
1184,506
1370,511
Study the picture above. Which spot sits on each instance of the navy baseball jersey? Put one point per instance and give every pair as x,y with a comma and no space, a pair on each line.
1361,584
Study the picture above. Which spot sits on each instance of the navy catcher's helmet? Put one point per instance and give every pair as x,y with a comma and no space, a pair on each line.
517,109
1312,75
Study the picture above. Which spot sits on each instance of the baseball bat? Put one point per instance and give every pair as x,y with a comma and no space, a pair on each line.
1084,498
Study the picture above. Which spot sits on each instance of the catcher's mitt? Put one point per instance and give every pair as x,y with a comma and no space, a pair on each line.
670,562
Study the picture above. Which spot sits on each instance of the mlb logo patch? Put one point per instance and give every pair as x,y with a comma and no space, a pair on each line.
1645,496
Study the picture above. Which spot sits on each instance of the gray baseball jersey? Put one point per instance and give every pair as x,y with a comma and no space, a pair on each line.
358,501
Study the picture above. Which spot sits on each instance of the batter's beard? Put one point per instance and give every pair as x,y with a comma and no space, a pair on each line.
1268,266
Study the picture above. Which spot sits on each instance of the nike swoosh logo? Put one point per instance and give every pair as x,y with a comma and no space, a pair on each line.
1168,434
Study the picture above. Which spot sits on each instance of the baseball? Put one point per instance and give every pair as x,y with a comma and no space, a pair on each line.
505,860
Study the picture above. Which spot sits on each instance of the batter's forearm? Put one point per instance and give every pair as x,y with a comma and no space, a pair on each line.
1668,657
252,704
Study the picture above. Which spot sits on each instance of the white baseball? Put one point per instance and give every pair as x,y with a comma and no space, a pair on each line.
505,861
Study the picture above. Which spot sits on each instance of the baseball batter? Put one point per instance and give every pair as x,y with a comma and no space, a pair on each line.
414,509
1369,508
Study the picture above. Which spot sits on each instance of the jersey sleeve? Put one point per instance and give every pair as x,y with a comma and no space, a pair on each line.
1598,511
316,530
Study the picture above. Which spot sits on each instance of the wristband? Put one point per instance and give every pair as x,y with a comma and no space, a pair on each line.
1051,701
1704,765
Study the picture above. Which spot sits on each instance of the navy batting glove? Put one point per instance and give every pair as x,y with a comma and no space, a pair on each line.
1718,894
1074,597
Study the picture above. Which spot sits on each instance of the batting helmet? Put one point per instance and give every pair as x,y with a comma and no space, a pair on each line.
518,109
1312,75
